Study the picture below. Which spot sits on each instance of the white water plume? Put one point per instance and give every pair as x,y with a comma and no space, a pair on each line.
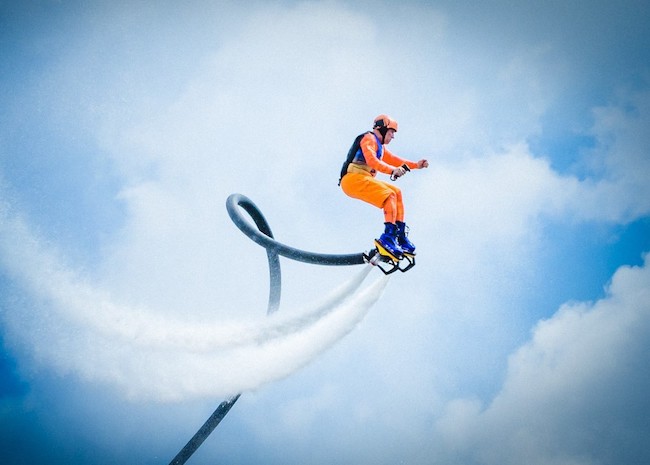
77,328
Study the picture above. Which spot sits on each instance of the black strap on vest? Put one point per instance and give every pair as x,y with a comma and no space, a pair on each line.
356,145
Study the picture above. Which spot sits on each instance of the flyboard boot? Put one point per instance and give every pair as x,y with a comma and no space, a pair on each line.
387,253
387,243
392,253
402,239
408,248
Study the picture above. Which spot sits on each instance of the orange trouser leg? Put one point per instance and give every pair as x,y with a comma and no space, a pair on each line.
390,209
375,192
399,212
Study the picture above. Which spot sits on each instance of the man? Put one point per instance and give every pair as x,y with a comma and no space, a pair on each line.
367,156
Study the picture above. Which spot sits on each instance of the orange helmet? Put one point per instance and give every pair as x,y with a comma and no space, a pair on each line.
384,123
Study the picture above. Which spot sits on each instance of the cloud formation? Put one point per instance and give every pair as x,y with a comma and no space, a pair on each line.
573,394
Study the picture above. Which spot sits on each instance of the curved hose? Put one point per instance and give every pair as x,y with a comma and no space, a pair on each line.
264,237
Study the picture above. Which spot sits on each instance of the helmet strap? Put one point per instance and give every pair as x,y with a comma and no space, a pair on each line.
383,130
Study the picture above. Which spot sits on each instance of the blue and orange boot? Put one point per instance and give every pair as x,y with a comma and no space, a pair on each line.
402,240
388,242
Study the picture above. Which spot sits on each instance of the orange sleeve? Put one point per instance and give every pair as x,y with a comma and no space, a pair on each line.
389,161
369,148
393,160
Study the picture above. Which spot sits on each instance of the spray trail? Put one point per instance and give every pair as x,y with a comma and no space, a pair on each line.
76,328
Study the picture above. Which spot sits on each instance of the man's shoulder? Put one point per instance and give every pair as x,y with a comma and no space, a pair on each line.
368,136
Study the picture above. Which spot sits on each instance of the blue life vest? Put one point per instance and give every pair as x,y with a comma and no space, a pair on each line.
359,156
356,154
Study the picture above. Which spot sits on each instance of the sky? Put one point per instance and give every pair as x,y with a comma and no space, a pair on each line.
131,305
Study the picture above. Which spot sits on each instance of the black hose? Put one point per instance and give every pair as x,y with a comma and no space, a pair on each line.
264,237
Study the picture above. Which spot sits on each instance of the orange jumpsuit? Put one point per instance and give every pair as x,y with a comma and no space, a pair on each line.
361,183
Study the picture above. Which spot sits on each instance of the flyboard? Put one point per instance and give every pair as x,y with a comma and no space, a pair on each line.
386,261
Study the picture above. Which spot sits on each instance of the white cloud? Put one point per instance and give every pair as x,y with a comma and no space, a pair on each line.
620,162
495,203
574,394
261,114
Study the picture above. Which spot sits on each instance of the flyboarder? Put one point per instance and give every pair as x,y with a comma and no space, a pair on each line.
367,156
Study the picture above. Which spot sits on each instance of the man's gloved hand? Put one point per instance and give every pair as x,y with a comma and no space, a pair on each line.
401,171
398,172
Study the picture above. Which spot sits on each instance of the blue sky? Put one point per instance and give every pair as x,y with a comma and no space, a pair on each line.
128,299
